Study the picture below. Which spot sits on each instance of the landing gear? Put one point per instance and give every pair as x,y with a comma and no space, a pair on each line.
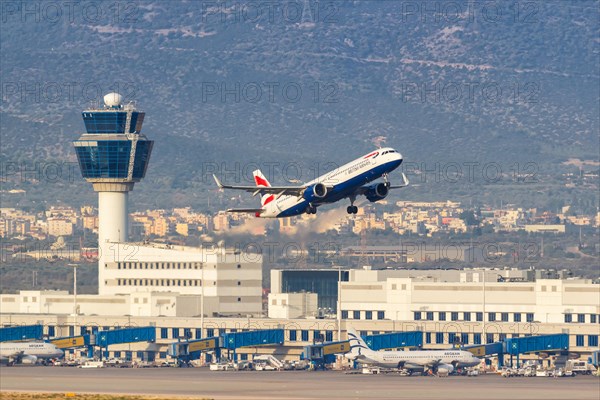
385,180
311,209
352,209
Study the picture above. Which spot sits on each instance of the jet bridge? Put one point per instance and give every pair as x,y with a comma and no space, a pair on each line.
24,332
535,344
103,339
395,340
192,349
521,345
324,353
235,340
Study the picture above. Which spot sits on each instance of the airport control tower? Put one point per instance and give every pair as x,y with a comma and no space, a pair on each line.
113,155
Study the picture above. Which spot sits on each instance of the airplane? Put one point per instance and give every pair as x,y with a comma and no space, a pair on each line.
347,181
28,352
437,361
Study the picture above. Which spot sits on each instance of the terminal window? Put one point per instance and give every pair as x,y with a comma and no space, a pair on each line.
454,316
477,338
517,317
439,337
464,338
579,340
467,316
593,340
593,318
417,315
581,318
210,332
529,317
451,337
356,315
305,336
504,317
568,317
489,338
293,336
479,316
344,314
368,314
442,316
430,315
380,315
427,337
491,316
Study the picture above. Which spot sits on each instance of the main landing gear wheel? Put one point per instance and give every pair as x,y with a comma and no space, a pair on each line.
352,209
311,210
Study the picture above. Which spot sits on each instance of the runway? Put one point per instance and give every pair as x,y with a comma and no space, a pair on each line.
202,383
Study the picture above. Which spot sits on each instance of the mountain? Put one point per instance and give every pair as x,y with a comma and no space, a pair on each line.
227,86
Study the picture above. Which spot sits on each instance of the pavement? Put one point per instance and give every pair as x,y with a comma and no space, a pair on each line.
230,385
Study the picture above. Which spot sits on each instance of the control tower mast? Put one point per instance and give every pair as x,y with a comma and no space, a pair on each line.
113,155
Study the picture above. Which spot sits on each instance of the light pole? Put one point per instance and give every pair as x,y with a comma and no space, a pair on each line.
202,300
339,303
74,287
483,339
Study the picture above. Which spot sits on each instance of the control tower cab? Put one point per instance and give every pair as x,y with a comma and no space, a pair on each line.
113,155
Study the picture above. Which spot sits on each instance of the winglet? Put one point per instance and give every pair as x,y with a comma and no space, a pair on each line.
219,184
405,180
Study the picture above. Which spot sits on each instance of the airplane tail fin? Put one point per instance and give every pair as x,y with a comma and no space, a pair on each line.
261,180
358,347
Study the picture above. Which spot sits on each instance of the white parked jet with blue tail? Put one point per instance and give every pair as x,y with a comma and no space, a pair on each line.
348,181
435,360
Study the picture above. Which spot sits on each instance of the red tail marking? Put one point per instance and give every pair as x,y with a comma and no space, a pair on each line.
261,182
269,199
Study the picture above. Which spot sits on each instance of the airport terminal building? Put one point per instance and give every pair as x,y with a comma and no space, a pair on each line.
448,306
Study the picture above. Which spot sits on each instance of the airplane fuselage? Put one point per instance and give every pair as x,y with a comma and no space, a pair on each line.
39,350
344,181
419,359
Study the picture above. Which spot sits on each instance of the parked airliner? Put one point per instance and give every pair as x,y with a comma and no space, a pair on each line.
347,181
28,352
434,360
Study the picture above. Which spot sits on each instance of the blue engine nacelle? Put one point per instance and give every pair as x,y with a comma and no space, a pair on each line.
315,192
377,192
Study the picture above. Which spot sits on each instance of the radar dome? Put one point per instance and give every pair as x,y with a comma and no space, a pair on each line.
113,99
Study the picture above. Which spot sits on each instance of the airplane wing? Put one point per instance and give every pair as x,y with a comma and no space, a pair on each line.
246,210
433,363
405,183
279,190
364,189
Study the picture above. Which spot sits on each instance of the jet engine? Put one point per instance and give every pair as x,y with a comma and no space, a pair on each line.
28,359
377,192
444,369
315,192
